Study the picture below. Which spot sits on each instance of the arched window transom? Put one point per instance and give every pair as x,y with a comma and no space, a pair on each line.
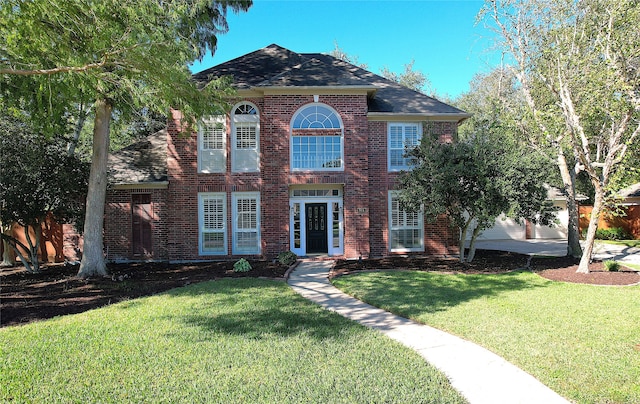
316,116
317,141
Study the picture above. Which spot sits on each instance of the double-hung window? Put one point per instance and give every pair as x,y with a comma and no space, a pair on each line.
402,137
246,222
317,141
245,155
212,215
212,145
406,229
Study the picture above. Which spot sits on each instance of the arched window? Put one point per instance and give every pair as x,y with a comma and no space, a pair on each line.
245,150
317,139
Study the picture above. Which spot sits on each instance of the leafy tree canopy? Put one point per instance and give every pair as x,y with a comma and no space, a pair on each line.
413,79
120,56
475,180
37,179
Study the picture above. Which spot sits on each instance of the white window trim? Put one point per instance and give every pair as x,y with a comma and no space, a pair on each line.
216,119
302,251
389,149
420,226
245,195
341,136
201,197
252,119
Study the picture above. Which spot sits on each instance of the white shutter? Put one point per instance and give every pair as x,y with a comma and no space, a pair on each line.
212,145
246,223
213,218
246,144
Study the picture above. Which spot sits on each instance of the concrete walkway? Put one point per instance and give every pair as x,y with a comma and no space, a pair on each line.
480,375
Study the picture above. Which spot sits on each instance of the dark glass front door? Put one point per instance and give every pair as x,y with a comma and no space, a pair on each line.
316,228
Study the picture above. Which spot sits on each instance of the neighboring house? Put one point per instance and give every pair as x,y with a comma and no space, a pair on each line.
630,205
306,160
506,228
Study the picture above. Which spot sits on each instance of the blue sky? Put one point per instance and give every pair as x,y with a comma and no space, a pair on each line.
441,36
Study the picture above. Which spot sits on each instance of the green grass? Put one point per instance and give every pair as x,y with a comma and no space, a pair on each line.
628,243
630,265
227,341
582,341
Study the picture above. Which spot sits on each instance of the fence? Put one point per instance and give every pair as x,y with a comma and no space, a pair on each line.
630,222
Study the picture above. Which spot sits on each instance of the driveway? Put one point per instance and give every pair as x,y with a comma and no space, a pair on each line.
558,248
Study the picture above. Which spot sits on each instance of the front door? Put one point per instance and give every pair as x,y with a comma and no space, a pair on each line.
141,218
316,228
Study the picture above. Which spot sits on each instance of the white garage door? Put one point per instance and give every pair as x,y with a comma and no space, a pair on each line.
503,229
559,230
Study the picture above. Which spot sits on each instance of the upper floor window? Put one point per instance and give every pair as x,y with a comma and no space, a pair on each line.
402,136
212,145
317,139
245,150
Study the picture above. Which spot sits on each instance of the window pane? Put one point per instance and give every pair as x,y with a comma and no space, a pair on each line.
402,137
406,228
316,116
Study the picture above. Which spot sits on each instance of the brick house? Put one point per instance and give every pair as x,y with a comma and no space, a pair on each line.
305,160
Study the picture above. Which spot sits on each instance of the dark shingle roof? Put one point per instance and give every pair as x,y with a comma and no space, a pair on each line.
632,191
142,162
275,66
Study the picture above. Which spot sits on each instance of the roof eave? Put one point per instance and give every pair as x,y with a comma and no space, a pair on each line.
414,116
141,185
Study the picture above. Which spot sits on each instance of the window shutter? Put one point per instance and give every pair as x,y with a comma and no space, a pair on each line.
212,135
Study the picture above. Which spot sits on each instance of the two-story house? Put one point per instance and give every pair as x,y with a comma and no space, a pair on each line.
305,160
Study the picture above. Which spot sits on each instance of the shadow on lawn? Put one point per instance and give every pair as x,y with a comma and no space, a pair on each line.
274,313
413,293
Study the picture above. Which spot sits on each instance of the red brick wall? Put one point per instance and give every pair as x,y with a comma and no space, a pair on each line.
438,237
365,178
118,226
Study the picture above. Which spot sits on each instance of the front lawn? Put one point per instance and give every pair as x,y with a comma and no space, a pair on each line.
630,265
228,341
582,341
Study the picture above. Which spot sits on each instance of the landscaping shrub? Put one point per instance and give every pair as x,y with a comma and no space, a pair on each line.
616,233
287,258
242,265
612,266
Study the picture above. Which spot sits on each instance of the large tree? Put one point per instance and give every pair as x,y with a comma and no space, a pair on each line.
473,181
577,65
122,55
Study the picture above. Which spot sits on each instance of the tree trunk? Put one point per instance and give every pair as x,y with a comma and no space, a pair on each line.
573,233
34,248
93,263
463,236
583,267
7,257
472,244
73,142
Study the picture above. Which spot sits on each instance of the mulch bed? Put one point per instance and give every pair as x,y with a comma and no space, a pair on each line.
57,291
562,269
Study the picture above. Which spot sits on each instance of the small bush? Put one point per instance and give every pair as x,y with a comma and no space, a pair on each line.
242,265
616,233
287,258
612,266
